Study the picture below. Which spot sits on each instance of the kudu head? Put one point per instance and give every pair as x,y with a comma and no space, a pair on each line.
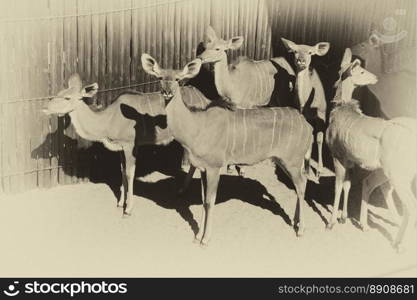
169,78
303,53
215,48
370,52
353,72
68,99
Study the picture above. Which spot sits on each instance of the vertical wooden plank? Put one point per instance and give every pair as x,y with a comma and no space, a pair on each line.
138,42
56,83
19,113
177,35
12,108
84,55
70,67
4,92
40,50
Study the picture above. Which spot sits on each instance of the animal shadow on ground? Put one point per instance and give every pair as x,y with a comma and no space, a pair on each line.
91,160
163,193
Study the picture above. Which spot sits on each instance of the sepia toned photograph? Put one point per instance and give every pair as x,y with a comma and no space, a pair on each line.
207,138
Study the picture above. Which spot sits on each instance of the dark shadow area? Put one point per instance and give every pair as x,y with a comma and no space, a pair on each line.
100,165
204,81
163,193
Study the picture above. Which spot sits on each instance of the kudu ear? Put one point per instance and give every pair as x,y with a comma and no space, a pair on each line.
356,63
291,46
89,90
322,48
374,40
191,69
150,65
211,34
347,58
75,82
235,42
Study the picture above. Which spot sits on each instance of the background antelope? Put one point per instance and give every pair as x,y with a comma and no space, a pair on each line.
216,137
394,65
246,83
371,143
133,119
307,82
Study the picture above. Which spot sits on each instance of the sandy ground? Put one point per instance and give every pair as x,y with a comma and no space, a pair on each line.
77,230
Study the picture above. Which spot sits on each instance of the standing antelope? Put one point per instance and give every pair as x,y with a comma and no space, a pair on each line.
395,68
396,71
215,137
371,143
246,83
117,126
307,79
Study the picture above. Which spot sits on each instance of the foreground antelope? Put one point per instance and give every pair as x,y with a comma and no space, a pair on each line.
371,143
116,126
307,79
215,137
246,83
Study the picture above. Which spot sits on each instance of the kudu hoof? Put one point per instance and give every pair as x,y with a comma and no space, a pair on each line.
300,233
342,220
203,244
399,248
365,228
127,213
330,226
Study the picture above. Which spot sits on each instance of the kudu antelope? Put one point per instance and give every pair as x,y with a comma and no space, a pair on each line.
395,67
215,137
371,143
308,79
245,83
116,126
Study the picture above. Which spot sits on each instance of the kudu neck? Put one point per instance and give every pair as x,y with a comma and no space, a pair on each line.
303,86
344,90
182,122
222,76
88,124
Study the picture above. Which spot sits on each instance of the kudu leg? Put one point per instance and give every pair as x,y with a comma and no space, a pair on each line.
199,235
346,189
387,189
124,187
300,183
130,174
319,139
340,172
406,197
187,180
213,176
369,184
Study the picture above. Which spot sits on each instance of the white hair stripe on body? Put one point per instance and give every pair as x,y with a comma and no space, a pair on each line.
245,133
150,104
273,130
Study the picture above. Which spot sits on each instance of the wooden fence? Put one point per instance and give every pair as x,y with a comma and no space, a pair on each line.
44,41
